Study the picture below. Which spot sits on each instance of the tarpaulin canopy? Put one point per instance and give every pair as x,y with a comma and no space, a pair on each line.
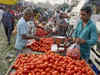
8,2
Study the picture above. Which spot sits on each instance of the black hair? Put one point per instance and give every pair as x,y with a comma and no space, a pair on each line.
87,9
43,19
35,11
28,11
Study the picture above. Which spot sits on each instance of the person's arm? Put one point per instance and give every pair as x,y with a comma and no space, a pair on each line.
30,37
10,23
93,36
23,32
24,36
15,30
79,41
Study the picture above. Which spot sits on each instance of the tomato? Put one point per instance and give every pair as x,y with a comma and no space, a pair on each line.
30,74
43,73
50,64
43,45
41,32
55,73
62,73
47,69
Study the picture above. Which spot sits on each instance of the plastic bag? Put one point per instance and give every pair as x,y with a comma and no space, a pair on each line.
74,51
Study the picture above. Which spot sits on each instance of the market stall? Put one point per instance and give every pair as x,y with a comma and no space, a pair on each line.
44,57
49,64
50,54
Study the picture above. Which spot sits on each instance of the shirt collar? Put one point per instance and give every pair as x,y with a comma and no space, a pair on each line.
24,19
87,23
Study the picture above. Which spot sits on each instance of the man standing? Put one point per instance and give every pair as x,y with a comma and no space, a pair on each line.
8,24
85,33
23,31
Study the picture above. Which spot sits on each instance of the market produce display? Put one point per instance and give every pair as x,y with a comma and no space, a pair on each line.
49,64
43,45
40,32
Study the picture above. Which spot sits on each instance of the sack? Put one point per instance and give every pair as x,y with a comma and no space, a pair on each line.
74,51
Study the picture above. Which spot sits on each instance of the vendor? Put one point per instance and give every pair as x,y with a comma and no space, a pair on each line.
62,25
85,33
22,31
43,22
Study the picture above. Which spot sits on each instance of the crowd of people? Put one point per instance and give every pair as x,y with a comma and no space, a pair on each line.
24,24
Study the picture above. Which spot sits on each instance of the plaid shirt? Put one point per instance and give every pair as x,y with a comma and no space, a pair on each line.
22,29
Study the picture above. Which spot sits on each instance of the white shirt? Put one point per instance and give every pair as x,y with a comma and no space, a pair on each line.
31,27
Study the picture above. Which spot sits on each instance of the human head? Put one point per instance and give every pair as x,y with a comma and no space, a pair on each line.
28,14
85,13
35,12
43,20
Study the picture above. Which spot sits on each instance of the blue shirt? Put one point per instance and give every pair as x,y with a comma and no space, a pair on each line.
87,33
22,29
7,20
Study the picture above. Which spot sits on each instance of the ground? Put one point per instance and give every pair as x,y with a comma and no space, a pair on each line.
5,51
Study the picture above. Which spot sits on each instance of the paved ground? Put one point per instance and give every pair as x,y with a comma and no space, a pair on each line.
5,51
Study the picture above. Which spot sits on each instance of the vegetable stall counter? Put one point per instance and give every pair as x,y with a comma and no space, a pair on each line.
47,44
49,64
25,52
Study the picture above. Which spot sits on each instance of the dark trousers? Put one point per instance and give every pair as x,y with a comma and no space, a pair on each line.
8,33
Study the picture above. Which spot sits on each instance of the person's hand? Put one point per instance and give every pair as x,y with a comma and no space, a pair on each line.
40,26
77,40
69,38
80,41
36,38
14,32
73,39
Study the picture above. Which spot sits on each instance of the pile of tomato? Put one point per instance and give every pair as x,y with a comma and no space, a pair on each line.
49,64
43,45
40,32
